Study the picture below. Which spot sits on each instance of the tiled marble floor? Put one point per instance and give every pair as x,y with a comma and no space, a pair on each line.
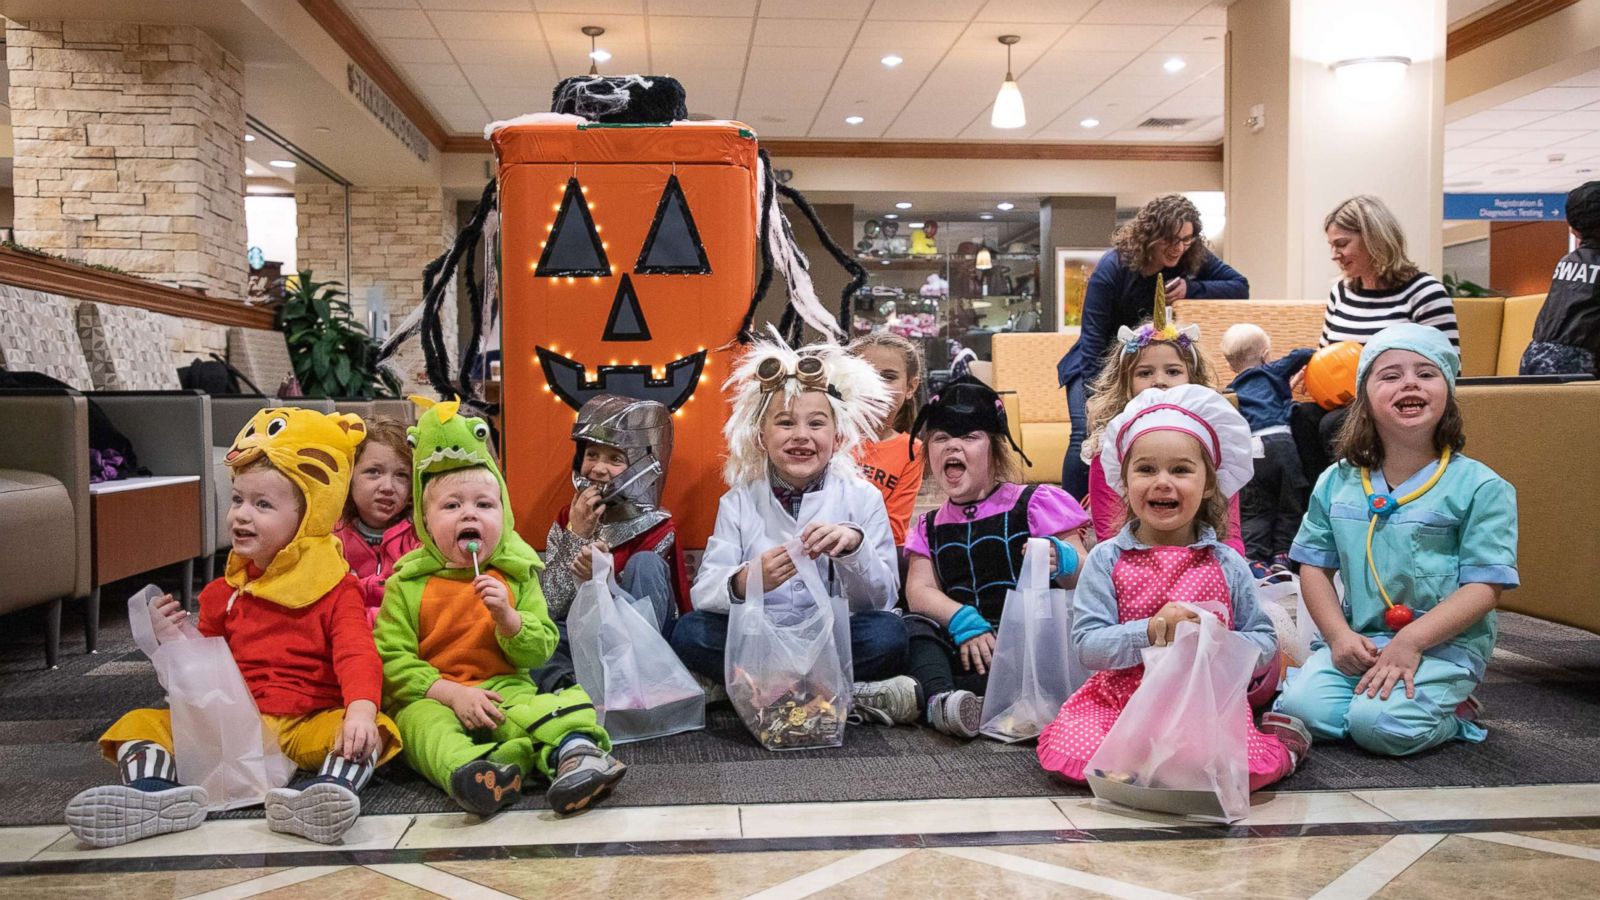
1455,843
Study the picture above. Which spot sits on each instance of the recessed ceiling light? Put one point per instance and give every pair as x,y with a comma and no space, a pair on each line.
915,224
891,60
903,204
248,137
1582,171
281,163
891,215
599,55
1090,122
853,120
1175,64
985,216
1004,205
249,171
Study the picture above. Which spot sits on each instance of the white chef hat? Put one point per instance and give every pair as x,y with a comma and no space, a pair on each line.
1194,410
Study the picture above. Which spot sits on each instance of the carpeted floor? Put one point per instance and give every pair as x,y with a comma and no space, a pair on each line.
1542,699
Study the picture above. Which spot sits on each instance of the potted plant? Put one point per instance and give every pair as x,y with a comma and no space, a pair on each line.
332,353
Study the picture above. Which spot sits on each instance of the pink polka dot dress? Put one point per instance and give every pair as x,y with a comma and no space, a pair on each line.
1144,580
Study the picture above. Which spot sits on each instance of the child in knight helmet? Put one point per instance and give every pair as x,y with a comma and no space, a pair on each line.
463,621
1175,455
292,615
1406,521
884,457
967,554
796,421
376,529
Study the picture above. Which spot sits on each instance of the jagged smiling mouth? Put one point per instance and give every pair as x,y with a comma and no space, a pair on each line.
440,454
569,379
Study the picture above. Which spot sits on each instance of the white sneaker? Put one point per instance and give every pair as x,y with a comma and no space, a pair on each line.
113,814
894,701
322,812
956,713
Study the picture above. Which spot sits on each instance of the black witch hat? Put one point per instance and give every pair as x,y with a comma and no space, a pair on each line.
965,405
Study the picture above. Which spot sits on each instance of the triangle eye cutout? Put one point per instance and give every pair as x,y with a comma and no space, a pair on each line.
573,247
626,322
673,246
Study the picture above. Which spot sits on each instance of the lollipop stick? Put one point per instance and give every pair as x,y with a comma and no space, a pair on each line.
472,547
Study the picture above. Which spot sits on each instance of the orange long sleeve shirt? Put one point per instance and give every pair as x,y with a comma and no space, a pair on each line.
886,464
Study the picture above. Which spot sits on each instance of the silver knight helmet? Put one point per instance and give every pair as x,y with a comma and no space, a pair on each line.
642,431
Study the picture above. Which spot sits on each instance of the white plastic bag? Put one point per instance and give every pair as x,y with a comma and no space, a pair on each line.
788,666
1280,600
639,686
1183,735
1034,669
220,741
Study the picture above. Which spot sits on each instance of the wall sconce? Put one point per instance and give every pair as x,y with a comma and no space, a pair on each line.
1371,77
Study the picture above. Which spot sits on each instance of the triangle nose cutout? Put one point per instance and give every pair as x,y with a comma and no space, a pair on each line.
626,322
573,247
673,245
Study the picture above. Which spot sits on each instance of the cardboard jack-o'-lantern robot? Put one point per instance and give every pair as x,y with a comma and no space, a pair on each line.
628,242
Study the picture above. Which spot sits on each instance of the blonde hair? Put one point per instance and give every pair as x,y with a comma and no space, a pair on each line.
262,464
1244,344
1380,233
469,475
383,431
906,415
1157,221
1213,509
1113,387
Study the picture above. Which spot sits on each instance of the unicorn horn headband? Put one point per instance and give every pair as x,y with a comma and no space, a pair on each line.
1160,330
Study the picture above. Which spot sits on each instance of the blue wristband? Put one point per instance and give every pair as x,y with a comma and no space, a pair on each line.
967,624
1066,557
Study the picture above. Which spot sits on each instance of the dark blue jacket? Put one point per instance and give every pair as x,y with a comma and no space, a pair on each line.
1264,395
1119,296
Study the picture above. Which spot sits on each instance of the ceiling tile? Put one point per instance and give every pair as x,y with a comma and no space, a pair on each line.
1526,138
676,59
703,7
1086,68
815,9
477,5
497,52
590,7
1498,120
415,50
1590,78
488,26
1044,99
1153,12
811,63
1592,139
1459,137
1192,39
1214,13
717,97
898,37
1477,154
1187,108
396,23
698,29
434,75
531,73
805,32
1135,38
1064,11
564,29
1575,120
1556,98
912,10
380,4
1141,136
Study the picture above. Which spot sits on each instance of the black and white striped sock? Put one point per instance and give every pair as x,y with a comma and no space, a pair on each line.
138,760
353,775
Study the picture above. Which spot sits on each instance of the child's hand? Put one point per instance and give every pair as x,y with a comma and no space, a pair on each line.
1397,662
358,739
168,619
1354,654
583,518
497,600
1163,626
776,567
821,539
583,565
978,652
476,707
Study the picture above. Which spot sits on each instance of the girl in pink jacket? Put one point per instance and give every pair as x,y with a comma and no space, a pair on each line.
376,529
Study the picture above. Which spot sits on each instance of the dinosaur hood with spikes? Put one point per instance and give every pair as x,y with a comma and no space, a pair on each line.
444,440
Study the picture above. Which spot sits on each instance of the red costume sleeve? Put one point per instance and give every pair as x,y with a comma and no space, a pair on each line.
355,655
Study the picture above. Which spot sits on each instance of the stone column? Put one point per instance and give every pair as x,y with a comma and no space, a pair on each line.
1069,222
129,143
1319,141
321,242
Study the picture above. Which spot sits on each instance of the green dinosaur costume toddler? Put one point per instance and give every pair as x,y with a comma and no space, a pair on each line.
433,626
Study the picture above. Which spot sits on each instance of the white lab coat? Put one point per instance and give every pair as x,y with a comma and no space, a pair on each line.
750,521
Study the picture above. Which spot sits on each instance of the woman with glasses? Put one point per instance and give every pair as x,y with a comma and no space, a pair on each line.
1163,241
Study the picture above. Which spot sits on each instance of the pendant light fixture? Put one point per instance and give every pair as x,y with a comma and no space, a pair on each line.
1008,111
985,259
594,31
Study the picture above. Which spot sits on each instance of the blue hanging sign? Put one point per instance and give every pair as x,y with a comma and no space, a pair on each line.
1506,207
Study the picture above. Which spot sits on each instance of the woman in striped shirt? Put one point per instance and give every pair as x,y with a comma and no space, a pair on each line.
1378,286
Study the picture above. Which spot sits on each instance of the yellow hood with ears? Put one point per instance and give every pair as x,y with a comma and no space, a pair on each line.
316,451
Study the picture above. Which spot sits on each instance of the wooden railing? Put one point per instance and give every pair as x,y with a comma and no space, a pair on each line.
57,276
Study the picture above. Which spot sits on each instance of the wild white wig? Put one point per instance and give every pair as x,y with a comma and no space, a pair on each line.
854,389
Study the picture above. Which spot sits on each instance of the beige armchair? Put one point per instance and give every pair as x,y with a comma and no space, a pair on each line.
44,505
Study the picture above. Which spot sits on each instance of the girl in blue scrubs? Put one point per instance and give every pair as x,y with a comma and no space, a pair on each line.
1424,538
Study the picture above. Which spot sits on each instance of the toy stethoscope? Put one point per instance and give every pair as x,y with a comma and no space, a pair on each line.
1382,506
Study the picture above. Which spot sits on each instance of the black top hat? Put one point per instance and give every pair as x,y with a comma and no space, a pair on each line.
965,405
